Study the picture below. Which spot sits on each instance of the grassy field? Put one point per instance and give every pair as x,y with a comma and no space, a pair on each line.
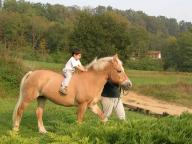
63,129
173,87
61,121
61,124
33,65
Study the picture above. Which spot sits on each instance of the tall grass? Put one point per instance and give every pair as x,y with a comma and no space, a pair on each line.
12,70
61,124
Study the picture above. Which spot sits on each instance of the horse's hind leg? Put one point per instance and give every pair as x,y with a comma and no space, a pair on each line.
39,112
25,98
18,115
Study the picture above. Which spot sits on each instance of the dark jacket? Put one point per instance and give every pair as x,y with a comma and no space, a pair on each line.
111,90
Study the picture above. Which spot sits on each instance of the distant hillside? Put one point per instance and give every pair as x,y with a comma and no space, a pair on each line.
48,32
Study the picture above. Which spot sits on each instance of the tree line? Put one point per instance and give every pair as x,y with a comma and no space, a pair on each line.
45,31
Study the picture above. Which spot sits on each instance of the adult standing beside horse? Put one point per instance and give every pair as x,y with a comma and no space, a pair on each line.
111,100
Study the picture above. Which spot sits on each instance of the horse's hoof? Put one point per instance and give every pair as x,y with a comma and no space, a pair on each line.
104,120
79,122
16,129
42,131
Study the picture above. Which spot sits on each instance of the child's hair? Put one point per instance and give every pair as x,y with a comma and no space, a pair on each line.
76,51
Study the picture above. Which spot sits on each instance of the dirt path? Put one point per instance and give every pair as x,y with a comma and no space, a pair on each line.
153,105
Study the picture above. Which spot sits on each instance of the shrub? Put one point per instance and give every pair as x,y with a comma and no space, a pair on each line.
145,64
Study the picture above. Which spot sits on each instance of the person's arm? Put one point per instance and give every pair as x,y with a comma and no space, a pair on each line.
81,68
77,65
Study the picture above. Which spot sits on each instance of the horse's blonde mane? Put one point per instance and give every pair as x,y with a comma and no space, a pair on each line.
99,64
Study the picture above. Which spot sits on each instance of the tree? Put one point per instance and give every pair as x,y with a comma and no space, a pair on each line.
10,5
184,26
39,26
185,52
139,39
57,38
13,27
172,26
170,54
43,47
103,34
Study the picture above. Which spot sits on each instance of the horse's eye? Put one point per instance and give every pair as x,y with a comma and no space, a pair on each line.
119,71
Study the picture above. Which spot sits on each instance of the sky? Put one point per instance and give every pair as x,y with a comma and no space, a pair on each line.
179,9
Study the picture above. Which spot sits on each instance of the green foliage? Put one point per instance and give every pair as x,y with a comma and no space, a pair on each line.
57,38
178,52
139,39
33,65
11,72
170,54
101,33
145,64
62,127
40,31
185,52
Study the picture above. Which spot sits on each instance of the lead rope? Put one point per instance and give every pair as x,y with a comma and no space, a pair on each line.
117,102
122,93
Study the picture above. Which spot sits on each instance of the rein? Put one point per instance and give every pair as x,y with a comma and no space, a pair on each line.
122,93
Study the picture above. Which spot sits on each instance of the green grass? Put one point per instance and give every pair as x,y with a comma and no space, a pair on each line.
43,65
11,73
173,87
59,121
155,77
61,124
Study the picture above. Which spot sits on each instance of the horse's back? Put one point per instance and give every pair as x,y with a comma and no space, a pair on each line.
40,75
46,73
39,79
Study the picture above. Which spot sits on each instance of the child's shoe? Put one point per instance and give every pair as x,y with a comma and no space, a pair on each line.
63,90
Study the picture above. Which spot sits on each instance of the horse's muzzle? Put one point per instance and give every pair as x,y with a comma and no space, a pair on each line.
126,84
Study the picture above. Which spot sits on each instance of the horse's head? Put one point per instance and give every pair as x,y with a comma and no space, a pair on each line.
113,68
117,73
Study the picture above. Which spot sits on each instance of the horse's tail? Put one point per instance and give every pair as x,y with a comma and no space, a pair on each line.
20,95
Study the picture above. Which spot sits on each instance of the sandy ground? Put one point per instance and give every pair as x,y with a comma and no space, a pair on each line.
153,105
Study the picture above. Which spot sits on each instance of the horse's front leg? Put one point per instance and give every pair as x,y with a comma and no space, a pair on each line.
95,109
81,111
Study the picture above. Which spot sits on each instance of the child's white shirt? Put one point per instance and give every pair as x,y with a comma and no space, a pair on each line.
71,64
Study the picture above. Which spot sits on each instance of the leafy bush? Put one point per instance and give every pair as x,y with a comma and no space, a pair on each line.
145,64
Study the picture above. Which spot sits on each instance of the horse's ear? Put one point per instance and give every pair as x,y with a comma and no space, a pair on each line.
115,57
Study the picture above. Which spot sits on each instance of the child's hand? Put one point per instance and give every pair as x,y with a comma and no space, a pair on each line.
85,70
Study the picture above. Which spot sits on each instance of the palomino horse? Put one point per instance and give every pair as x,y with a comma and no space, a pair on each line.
84,89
